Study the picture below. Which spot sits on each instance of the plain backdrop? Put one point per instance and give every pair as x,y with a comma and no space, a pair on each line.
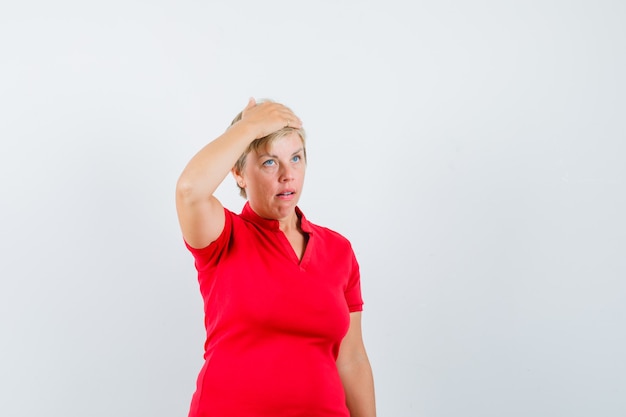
472,151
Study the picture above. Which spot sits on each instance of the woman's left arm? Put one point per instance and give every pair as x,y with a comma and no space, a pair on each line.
355,371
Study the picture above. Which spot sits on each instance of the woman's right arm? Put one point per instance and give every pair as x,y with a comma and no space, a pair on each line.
200,214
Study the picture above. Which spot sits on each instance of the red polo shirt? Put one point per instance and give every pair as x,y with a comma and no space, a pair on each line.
274,324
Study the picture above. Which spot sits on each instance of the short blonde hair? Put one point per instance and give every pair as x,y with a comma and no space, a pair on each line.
262,143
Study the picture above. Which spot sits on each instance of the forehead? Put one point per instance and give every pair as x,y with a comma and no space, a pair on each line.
284,145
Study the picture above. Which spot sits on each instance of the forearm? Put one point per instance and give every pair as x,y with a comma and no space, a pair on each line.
358,383
208,168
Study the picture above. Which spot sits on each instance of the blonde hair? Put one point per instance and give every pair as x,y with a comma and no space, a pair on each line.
262,143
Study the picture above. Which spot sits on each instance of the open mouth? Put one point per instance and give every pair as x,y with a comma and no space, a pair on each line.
286,193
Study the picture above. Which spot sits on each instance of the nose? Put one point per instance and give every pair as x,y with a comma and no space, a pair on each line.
286,173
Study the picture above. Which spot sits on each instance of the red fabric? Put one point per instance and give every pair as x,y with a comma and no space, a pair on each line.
274,324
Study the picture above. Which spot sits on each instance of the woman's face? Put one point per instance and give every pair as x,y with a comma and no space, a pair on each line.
273,177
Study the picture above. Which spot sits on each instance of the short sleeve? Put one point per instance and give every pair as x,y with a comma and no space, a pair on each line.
353,289
211,254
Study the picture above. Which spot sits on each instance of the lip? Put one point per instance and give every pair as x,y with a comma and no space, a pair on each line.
286,194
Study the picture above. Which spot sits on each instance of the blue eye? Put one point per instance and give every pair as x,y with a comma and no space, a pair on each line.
269,163
296,158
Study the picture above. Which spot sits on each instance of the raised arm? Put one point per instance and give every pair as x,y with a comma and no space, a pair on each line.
200,214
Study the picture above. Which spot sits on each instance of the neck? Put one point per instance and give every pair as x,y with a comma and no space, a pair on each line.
290,223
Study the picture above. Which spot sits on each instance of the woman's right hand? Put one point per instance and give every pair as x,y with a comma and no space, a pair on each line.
268,117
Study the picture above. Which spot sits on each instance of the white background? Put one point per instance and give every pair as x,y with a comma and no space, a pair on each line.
472,151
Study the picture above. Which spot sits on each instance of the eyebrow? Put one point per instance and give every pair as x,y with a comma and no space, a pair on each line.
276,156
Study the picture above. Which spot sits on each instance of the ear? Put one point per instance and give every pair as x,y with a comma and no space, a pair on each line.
238,178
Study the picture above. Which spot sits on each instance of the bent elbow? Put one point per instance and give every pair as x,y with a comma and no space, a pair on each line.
186,191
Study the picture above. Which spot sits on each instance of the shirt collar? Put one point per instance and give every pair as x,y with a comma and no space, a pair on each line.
248,214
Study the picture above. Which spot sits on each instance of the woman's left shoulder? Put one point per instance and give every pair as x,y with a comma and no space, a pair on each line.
331,235
325,233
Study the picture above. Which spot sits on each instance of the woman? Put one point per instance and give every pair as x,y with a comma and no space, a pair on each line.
282,296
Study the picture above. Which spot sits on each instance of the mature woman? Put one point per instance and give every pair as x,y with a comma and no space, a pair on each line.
282,295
